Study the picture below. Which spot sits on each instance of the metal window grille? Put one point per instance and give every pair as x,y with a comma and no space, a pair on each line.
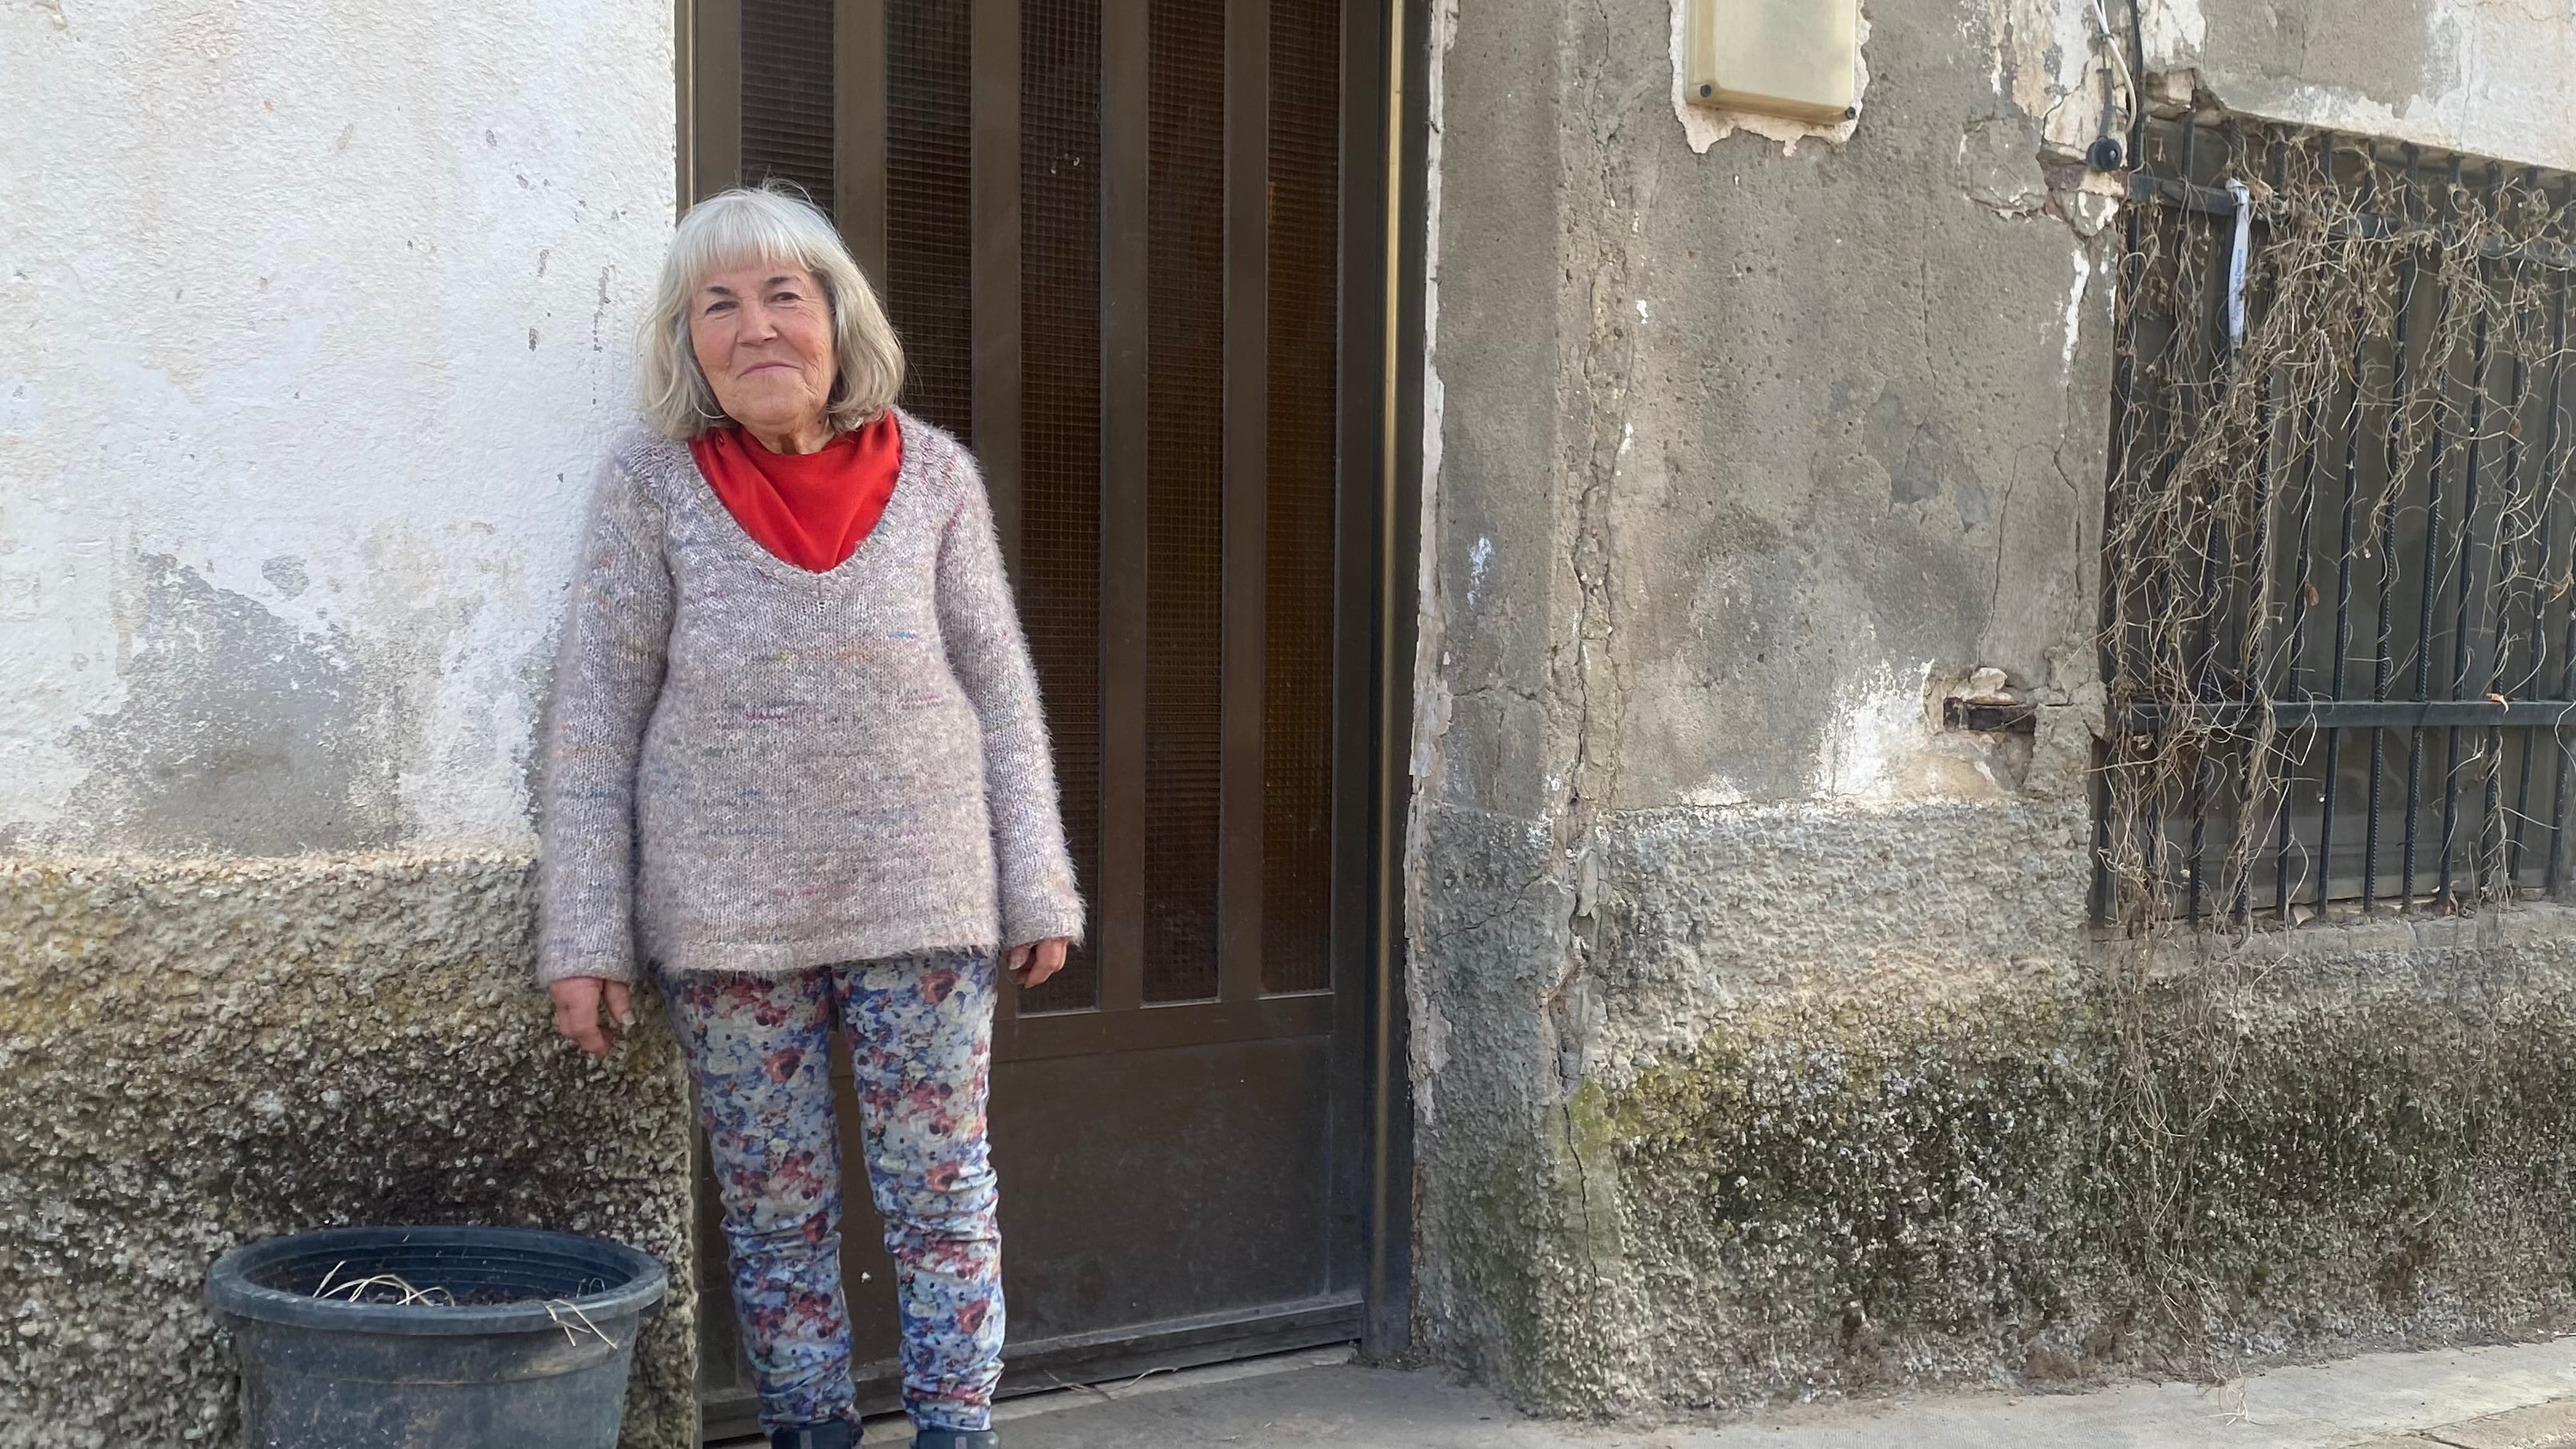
2340,658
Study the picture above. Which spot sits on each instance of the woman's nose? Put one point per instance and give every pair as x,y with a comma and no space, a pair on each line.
757,324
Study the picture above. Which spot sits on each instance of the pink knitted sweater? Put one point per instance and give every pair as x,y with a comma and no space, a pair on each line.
750,767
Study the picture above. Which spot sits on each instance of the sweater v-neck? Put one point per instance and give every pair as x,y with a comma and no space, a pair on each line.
702,495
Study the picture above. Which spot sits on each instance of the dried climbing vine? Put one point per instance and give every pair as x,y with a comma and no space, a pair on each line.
2276,511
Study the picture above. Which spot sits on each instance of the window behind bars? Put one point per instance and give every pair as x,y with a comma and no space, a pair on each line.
2340,654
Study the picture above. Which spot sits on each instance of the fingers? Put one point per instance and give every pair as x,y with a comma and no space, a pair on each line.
577,1014
1032,965
1017,961
619,1010
579,1023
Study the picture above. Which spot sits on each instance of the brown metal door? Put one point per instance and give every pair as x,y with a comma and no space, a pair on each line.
1114,238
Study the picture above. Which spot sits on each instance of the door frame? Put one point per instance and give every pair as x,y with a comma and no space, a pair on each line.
1384,136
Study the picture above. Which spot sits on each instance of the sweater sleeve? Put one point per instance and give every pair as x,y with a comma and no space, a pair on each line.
608,673
980,626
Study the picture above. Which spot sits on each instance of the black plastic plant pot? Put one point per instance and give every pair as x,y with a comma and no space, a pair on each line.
456,1338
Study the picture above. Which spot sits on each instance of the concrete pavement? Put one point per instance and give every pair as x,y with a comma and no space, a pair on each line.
2514,1397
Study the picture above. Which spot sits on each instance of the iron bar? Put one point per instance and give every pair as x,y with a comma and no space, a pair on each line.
2343,606
2187,352
2387,596
2311,425
2432,543
2250,620
2513,531
2490,848
2299,623
2466,564
2553,462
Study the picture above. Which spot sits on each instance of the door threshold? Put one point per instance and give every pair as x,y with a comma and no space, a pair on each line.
894,1428
1163,1381
1077,1368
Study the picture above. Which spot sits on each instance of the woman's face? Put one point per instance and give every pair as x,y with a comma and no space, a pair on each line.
763,336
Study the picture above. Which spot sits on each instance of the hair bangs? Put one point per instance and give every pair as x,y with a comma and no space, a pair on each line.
721,235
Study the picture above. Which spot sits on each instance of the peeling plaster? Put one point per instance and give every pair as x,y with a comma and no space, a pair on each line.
1705,126
2075,308
1427,1042
1877,721
2170,30
2050,62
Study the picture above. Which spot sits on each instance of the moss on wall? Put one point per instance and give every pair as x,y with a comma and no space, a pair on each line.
196,1054
1890,1188
1867,1166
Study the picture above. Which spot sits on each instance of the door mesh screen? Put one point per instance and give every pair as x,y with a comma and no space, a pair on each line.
1185,458
787,94
929,204
1297,657
1060,396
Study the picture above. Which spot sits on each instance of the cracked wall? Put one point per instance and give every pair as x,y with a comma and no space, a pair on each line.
1759,1040
315,323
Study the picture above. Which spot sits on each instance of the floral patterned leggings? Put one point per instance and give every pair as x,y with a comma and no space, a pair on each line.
921,1039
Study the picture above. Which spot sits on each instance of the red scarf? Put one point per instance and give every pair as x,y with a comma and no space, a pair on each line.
810,509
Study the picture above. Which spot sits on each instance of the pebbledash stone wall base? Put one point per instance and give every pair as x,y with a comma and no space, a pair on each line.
199,1053
1783,1169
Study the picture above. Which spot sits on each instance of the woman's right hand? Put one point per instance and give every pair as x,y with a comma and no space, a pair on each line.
578,1000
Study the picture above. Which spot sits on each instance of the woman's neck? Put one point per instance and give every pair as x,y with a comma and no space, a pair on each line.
808,437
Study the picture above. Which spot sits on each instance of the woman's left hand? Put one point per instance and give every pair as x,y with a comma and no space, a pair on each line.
1032,964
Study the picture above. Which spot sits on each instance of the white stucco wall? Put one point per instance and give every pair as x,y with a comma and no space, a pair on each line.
313,320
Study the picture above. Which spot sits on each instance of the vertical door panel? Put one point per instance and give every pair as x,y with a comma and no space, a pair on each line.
929,179
1184,469
1113,238
1060,432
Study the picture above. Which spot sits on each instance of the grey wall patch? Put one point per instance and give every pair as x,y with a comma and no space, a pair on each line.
239,733
2394,52
285,573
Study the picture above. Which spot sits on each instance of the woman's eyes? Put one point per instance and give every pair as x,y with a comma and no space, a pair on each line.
774,299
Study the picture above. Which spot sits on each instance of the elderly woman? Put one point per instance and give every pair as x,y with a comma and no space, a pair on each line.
796,770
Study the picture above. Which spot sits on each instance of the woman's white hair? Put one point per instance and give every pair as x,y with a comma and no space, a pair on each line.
747,227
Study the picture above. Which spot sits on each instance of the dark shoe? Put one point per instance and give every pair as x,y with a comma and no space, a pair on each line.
956,1439
830,1434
